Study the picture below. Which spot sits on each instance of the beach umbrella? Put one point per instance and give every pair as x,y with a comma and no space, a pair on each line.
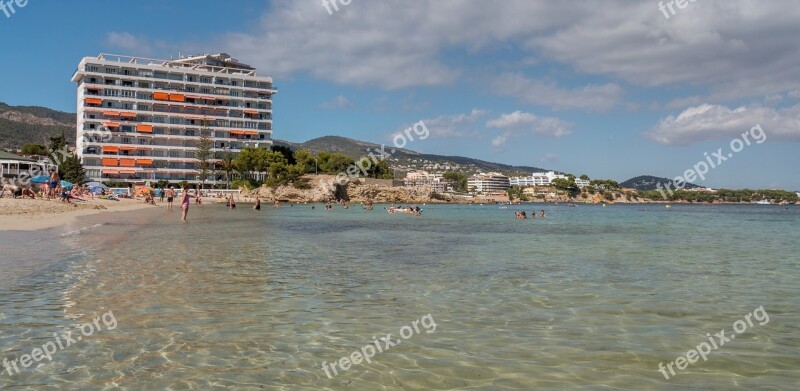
66,185
96,185
40,179
143,190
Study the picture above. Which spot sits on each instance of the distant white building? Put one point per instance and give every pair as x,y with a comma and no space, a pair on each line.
582,182
488,183
536,179
421,178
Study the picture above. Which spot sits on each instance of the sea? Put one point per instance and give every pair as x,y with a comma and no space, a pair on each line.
462,297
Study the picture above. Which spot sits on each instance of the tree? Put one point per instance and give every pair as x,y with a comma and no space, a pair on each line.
34,149
584,177
457,180
334,163
203,151
58,143
382,170
227,165
566,185
71,169
304,160
286,152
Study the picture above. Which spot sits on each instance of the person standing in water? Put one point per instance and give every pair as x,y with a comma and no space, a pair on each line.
185,202
258,204
170,197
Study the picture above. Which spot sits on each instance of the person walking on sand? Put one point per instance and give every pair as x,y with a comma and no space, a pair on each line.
185,203
170,197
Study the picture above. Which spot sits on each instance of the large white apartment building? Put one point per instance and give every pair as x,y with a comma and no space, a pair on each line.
536,179
488,183
155,110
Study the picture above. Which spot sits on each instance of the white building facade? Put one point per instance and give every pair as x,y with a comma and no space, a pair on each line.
488,183
140,119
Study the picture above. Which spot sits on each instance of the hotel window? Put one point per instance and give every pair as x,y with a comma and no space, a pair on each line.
92,68
190,89
205,90
190,78
112,71
145,73
204,79
176,121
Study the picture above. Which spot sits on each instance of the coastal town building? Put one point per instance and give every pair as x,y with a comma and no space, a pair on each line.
140,119
14,167
488,183
536,179
581,183
422,178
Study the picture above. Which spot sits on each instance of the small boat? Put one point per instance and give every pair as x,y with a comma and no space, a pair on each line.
763,202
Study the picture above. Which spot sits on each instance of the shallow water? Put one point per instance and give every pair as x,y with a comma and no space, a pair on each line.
589,298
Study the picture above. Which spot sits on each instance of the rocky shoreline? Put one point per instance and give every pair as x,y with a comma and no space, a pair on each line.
358,191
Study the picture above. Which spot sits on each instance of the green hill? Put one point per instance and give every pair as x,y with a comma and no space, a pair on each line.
20,125
649,182
404,159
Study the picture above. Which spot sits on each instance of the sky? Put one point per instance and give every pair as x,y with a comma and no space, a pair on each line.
611,89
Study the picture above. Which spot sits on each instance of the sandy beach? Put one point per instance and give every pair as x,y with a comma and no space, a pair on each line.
31,215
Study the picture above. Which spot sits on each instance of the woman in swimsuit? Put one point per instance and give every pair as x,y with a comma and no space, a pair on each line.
185,203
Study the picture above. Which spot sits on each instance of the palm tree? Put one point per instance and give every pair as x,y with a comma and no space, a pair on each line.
228,164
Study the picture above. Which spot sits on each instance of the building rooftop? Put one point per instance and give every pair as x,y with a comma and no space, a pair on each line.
215,63
10,156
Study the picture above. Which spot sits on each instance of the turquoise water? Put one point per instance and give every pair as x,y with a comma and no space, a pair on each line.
589,298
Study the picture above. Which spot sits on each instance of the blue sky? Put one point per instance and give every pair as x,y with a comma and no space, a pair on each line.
612,89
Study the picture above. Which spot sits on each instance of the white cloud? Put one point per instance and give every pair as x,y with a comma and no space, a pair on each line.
715,122
459,125
339,102
129,43
520,123
727,48
547,93
499,140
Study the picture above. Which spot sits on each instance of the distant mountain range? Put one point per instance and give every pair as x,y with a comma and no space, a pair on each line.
20,125
647,182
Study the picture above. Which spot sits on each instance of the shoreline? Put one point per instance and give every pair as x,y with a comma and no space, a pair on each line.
35,215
